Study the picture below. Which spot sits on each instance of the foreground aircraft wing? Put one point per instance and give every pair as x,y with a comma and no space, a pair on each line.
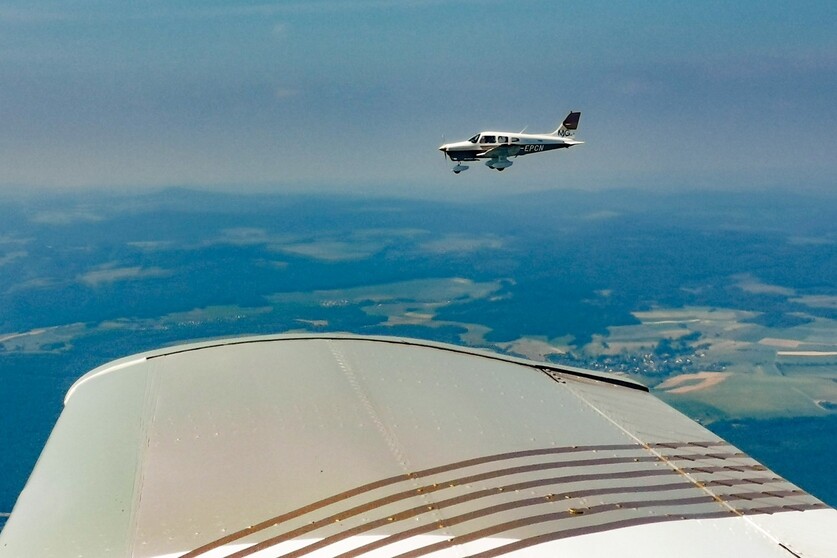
327,446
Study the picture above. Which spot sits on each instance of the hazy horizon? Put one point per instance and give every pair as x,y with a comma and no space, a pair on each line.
358,95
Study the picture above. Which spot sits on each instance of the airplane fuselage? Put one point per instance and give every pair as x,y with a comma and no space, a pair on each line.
497,147
519,144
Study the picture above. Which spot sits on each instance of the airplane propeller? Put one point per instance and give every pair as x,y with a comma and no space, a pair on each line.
459,166
444,152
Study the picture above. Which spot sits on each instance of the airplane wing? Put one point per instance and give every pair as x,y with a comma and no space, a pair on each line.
327,446
505,150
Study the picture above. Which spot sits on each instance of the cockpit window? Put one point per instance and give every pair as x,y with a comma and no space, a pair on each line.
488,139
474,139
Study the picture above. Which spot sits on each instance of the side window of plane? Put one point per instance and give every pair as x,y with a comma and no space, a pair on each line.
502,139
487,139
515,140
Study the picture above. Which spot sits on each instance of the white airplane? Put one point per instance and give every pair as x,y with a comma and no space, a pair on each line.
497,147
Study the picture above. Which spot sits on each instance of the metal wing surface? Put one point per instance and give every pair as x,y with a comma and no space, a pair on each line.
340,446
505,150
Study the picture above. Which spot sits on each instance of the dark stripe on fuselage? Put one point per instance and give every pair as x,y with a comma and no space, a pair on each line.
463,155
526,149
540,147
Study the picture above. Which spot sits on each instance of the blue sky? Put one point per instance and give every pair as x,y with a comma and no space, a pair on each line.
323,94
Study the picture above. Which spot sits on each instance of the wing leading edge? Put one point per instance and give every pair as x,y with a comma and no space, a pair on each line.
355,446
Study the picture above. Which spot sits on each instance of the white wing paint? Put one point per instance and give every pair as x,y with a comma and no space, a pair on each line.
325,446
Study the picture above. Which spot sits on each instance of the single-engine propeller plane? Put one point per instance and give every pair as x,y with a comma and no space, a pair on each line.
498,147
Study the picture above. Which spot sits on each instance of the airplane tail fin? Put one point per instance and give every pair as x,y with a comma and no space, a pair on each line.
569,126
